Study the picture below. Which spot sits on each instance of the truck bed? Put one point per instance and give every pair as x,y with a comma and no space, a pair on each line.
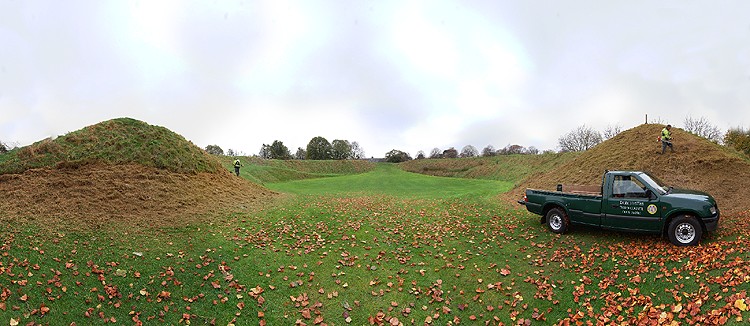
585,190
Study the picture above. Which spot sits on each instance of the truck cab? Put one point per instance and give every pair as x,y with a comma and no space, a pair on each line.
632,203
640,202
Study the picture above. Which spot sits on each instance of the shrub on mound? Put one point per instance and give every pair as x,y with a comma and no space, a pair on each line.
117,141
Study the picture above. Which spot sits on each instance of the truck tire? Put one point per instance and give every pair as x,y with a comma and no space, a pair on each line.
557,220
684,231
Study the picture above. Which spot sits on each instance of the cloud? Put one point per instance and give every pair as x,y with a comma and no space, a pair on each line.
390,75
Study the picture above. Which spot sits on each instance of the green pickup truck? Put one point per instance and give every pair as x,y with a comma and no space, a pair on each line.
628,201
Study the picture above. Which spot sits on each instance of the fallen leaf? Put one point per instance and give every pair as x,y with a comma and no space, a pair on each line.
740,304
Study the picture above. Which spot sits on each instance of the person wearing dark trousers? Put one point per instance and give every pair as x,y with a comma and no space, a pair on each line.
666,139
237,165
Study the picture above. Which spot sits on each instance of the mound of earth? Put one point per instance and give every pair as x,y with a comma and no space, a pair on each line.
106,174
117,141
696,164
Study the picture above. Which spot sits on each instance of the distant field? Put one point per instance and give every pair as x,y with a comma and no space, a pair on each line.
388,179
379,247
262,171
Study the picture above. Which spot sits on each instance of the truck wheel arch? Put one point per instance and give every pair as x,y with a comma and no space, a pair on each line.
549,207
556,219
673,215
685,230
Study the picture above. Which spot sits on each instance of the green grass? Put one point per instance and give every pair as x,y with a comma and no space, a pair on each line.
388,179
512,168
386,242
117,141
273,171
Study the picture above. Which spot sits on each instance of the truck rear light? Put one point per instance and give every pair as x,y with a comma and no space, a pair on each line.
525,198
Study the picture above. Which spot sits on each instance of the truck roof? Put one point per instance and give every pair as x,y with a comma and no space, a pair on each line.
629,172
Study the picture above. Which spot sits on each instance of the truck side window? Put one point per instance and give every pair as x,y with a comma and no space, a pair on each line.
618,187
635,189
626,187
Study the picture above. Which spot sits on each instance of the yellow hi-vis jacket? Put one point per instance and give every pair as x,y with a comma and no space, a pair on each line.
666,135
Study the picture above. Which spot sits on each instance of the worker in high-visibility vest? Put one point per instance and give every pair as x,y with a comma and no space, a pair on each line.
237,165
666,139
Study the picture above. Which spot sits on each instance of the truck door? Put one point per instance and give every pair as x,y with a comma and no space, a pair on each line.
627,207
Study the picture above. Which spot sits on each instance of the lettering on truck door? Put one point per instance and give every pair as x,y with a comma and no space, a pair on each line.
628,207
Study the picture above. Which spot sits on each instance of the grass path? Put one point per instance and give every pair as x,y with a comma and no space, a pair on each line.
388,179
382,247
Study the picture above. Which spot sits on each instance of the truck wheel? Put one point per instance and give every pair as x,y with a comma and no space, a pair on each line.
684,231
557,220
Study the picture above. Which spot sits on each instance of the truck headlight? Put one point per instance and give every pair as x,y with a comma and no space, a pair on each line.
712,210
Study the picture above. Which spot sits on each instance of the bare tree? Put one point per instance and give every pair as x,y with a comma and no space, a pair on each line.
469,151
435,153
703,128
532,150
657,121
580,139
420,155
358,152
265,151
611,131
489,151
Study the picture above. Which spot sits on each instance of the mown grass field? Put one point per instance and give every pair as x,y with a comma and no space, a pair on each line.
379,247
274,171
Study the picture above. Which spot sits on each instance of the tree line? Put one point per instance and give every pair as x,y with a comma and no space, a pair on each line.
318,148
579,139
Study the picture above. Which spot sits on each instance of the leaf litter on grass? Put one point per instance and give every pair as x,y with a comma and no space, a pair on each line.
345,260
385,261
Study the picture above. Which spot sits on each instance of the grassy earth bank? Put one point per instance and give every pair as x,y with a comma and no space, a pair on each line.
383,247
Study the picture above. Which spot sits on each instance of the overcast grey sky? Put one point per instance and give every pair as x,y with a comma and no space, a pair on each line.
407,75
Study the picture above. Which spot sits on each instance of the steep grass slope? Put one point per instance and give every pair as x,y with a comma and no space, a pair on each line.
512,168
117,141
697,164
123,172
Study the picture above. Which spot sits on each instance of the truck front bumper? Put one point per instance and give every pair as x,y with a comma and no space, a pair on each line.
711,222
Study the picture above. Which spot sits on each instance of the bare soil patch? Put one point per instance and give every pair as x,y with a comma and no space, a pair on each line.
95,196
696,164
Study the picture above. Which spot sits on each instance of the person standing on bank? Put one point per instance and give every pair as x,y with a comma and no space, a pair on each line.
666,139
237,165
